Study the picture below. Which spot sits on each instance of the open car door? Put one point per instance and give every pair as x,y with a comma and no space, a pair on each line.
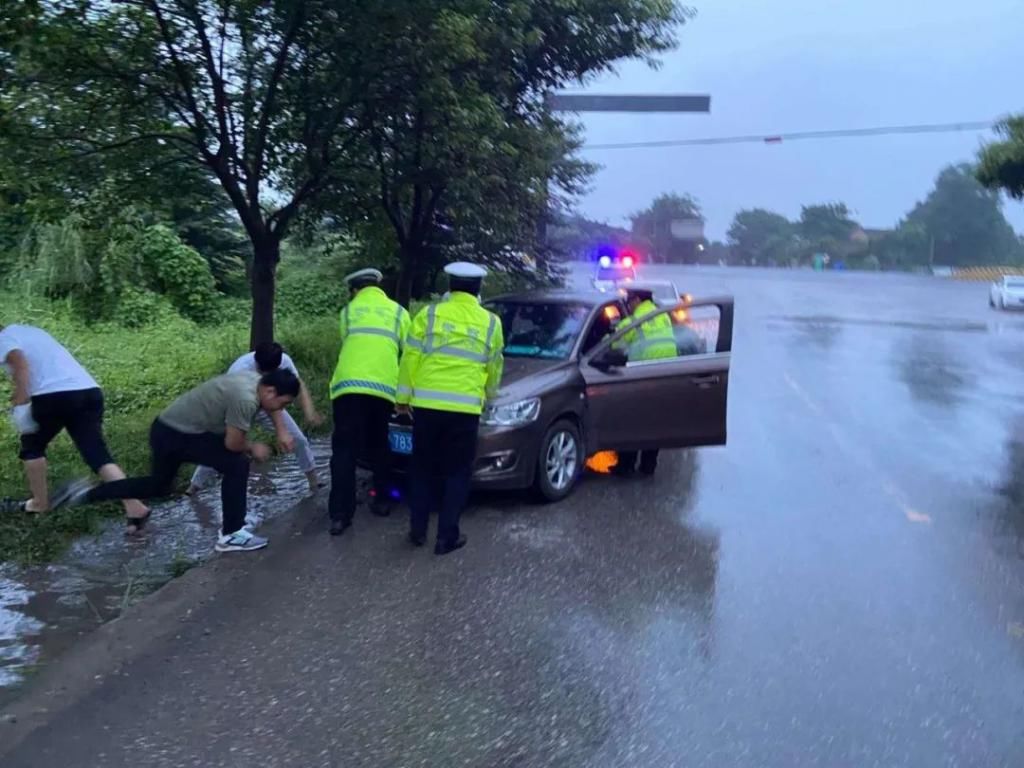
636,402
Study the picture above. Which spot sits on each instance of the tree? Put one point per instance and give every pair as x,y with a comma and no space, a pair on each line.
259,93
409,113
655,223
1001,164
758,236
463,156
963,222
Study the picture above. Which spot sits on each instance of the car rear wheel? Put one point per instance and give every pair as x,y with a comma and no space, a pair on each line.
559,461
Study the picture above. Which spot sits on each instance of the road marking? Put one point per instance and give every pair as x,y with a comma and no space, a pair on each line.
852,449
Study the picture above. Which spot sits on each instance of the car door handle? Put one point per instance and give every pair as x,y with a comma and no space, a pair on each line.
706,381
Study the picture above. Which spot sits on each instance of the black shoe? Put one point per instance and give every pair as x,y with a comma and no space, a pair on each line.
445,547
416,539
338,527
380,508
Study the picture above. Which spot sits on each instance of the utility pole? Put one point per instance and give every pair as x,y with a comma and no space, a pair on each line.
589,102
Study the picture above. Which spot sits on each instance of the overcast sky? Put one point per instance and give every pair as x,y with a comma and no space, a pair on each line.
794,65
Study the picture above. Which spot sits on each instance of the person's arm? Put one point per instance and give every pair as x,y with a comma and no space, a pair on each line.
496,364
285,441
309,411
237,441
18,363
411,355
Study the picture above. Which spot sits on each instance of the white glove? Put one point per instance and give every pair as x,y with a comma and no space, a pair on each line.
21,417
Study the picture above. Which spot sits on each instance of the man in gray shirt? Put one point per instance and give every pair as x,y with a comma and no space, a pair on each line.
208,426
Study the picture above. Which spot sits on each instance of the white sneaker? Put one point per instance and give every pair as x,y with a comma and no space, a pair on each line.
240,541
253,520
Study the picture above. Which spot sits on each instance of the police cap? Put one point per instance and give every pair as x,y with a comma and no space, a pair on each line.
364,277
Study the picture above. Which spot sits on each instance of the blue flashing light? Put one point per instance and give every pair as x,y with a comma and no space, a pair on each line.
605,261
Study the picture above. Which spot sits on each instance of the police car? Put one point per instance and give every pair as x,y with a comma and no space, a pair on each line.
614,268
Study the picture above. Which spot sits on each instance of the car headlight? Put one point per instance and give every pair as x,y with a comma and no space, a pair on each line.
511,414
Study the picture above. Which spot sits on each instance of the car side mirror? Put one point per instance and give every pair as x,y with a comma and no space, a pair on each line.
610,358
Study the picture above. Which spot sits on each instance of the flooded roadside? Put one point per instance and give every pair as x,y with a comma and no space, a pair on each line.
45,609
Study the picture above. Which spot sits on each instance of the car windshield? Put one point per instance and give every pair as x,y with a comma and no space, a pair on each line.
545,331
615,273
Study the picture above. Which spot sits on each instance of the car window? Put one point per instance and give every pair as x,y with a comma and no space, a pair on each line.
1015,283
541,330
605,322
671,334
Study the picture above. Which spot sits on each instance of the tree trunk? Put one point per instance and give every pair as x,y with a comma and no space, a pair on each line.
266,254
406,274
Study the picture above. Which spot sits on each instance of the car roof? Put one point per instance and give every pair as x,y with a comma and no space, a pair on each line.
592,298
651,284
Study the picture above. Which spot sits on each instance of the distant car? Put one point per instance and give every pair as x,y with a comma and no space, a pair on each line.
569,391
665,291
1007,293
607,278
614,269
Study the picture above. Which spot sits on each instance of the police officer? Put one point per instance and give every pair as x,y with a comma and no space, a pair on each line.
452,363
363,389
652,340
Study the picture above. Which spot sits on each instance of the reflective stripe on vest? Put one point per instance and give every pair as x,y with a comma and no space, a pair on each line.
392,334
444,397
346,383
428,345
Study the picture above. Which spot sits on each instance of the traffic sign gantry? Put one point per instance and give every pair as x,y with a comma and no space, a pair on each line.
590,102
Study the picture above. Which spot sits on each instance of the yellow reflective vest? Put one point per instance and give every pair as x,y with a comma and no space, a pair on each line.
652,340
453,357
373,331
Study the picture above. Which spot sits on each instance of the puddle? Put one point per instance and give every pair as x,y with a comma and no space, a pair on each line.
45,609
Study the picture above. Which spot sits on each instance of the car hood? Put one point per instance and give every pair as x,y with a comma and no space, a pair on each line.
528,376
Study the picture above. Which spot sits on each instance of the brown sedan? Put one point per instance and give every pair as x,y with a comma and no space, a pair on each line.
571,389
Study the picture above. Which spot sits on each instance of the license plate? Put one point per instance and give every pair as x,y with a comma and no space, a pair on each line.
400,439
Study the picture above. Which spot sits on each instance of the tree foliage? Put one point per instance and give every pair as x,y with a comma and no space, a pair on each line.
963,222
654,224
758,236
425,116
1001,164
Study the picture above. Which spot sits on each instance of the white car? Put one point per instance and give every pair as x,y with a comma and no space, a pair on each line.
664,292
1008,293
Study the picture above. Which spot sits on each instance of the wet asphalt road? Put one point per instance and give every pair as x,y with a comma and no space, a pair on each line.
843,585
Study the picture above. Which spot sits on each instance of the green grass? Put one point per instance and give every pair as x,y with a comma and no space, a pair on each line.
141,372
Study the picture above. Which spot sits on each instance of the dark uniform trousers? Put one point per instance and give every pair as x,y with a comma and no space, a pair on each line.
360,429
648,460
443,454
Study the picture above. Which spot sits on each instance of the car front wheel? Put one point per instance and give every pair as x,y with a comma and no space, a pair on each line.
559,461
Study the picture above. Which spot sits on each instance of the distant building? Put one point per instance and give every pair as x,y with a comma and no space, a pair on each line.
672,241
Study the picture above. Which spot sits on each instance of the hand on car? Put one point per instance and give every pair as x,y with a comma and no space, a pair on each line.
21,418
260,452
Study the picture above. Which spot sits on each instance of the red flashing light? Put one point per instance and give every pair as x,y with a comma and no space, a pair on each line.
627,261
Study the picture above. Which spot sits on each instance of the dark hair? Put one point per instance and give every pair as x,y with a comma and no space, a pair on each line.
465,284
284,381
268,356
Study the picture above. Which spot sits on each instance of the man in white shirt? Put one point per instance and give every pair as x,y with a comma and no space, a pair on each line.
53,392
266,358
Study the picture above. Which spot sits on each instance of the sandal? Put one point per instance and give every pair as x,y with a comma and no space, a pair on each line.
136,524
